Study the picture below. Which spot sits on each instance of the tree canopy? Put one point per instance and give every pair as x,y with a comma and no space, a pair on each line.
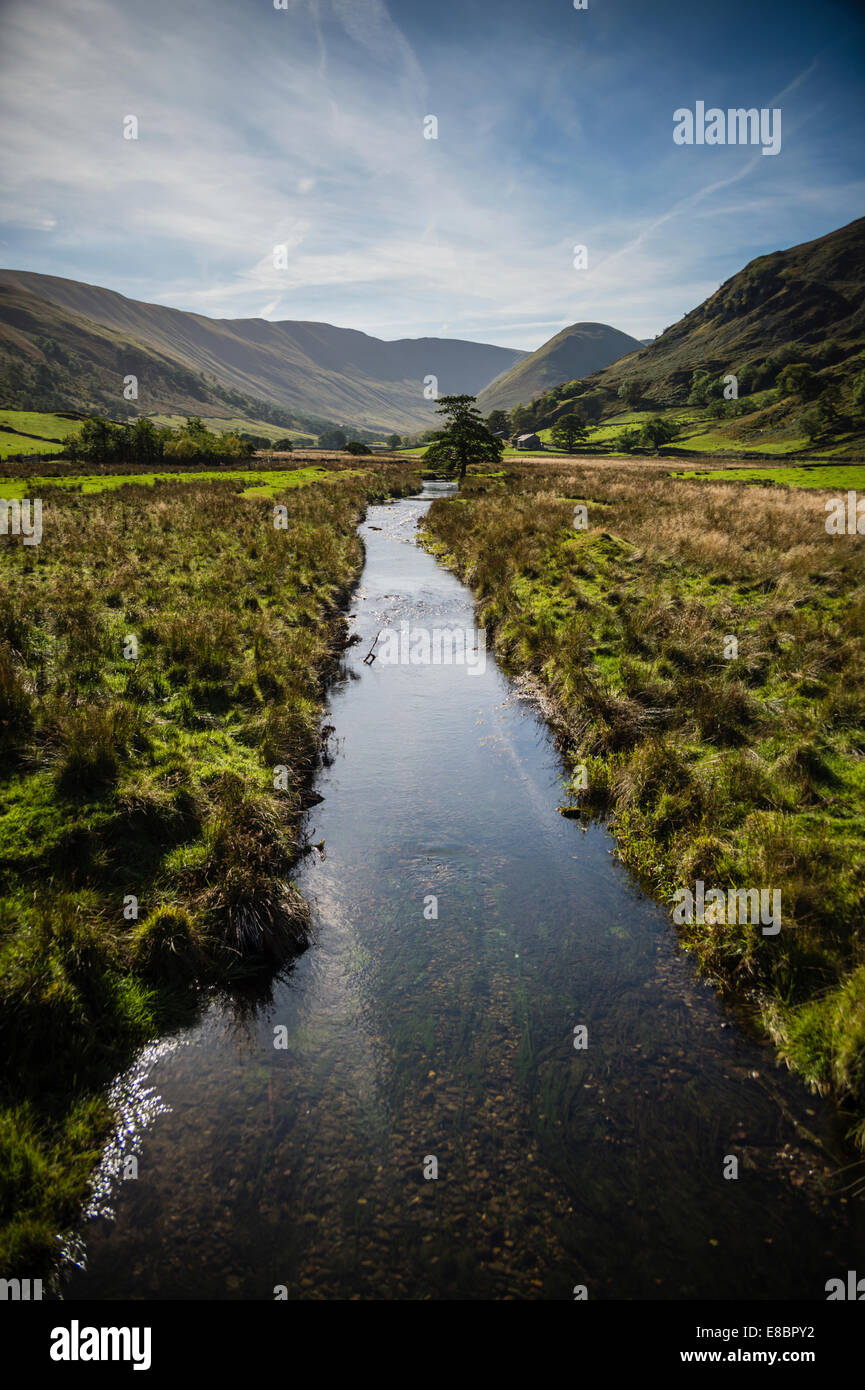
332,439
465,438
498,421
567,432
141,442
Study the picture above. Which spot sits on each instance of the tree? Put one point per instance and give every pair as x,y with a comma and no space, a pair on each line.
195,427
354,446
182,447
144,440
627,441
393,441
797,380
231,446
701,383
810,424
283,446
859,394
827,406
591,408
522,418
657,432
97,441
465,438
567,433
499,422
630,391
828,352
332,439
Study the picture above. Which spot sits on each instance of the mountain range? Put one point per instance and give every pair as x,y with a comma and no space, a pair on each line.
65,344
80,341
69,345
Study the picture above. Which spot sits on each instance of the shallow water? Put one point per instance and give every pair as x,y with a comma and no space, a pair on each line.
410,1039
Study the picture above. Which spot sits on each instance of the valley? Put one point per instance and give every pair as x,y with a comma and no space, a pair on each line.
236,619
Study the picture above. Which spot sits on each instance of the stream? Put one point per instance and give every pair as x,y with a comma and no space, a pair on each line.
412,1043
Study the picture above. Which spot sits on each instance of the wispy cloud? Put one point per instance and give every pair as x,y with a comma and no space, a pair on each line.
304,127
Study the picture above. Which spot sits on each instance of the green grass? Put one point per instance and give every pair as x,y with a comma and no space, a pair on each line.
11,445
700,433
154,777
741,772
272,484
714,441
45,426
812,475
260,484
47,429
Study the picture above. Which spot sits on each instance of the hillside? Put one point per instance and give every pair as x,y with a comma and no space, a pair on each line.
76,342
574,353
787,305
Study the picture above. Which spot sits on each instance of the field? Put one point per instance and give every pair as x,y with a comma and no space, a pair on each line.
39,433
698,434
608,431
836,476
164,654
735,762
259,482
816,472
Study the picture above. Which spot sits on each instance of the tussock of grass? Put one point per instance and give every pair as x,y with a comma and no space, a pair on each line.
746,771
169,946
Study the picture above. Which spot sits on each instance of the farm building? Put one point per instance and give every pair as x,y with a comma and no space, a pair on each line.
528,441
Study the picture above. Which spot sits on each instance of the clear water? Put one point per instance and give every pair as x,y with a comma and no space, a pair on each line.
410,1039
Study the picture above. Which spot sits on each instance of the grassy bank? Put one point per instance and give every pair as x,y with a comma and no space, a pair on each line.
741,771
256,482
175,777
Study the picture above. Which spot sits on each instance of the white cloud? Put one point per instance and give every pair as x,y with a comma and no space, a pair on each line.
311,136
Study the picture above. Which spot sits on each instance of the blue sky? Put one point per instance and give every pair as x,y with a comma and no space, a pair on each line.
303,127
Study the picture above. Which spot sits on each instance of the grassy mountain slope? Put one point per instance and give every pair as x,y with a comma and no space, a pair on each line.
792,301
575,352
181,359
